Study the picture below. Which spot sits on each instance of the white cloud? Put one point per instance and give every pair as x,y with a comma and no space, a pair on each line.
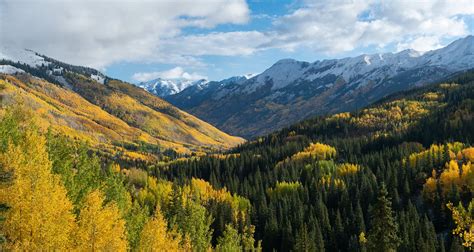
337,26
422,44
176,73
216,43
98,33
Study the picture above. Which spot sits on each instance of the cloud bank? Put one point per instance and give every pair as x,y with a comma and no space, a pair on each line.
99,33
176,73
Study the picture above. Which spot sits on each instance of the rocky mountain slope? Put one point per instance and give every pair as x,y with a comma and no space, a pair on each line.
84,103
292,90
164,87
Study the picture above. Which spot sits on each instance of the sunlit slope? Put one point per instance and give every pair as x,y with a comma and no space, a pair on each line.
151,114
69,113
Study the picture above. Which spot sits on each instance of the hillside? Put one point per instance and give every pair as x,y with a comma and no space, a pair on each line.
292,90
320,178
394,176
104,110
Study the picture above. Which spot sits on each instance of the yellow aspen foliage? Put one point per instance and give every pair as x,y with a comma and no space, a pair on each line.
452,155
468,153
329,181
450,176
161,189
462,177
448,85
40,216
101,228
362,239
463,218
317,151
468,175
335,117
155,237
205,194
432,96
437,152
429,188
284,189
115,168
346,169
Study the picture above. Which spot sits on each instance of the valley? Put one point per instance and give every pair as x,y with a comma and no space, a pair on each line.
237,126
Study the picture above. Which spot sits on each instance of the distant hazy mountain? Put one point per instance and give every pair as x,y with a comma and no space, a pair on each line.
163,87
292,90
84,103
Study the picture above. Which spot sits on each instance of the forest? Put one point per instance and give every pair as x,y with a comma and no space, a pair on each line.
395,176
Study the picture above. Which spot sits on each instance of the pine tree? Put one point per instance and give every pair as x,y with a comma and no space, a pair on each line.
101,228
194,221
383,233
456,245
319,240
304,241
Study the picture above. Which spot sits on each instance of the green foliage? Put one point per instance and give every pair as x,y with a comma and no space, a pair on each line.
284,189
289,191
80,171
383,234
194,222
230,240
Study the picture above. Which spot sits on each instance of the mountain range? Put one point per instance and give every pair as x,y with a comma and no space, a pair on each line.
292,90
165,87
84,103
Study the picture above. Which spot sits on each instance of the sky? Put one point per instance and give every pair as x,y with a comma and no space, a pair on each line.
140,40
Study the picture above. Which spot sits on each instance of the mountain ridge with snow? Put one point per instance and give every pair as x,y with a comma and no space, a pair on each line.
292,90
164,87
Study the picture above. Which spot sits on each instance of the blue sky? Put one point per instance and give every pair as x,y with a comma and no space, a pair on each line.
215,39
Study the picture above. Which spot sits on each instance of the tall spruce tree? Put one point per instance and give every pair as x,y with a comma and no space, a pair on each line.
383,233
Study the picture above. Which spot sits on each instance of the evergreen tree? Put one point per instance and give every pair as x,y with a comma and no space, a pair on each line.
383,232
318,240
304,240
456,245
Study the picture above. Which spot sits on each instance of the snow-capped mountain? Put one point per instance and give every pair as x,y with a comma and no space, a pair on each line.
43,66
163,87
166,87
292,90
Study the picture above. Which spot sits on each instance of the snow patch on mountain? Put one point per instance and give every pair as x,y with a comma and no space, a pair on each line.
24,56
162,87
99,78
7,69
457,56
281,73
373,75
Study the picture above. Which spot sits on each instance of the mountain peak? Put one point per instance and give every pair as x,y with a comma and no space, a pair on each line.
286,61
164,87
291,90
